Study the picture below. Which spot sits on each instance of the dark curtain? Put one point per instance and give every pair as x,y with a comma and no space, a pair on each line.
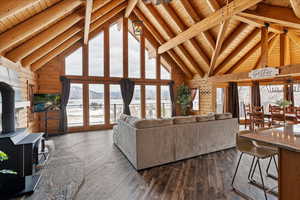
233,99
172,97
127,90
255,94
290,93
65,93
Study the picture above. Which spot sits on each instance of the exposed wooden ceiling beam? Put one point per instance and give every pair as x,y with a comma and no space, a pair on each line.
170,11
45,57
237,50
272,44
289,70
45,49
41,62
220,39
130,7
247,55
58,28
264,47
10,7
100,3
296,7
274,14
156,15
258,23
195,17
36,23
161,40
234,7
87,20
42,38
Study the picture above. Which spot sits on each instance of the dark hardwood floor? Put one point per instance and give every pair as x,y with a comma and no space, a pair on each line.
109,176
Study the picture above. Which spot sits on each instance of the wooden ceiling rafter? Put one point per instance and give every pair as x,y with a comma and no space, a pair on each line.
244,44
68,43
234,7
156,15
11,7
161,40
36,23
268,13
220,40
247,55
296,7
195,17
130,7
31,45
179,23
87,20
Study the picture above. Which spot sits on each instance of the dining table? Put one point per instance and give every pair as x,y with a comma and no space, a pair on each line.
287,140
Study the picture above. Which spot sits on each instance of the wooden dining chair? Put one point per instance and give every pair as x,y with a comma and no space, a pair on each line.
277,115
247,110
258,118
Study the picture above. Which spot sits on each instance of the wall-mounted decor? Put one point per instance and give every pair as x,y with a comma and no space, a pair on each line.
267,72
205,91
137,26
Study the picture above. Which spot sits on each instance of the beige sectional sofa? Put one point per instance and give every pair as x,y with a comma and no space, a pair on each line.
153,142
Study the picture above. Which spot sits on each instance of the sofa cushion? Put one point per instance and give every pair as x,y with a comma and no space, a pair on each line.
149,123
123,117
205,118
223,116
184,119
131,120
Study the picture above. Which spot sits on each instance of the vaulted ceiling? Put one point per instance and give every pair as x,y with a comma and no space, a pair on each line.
200,36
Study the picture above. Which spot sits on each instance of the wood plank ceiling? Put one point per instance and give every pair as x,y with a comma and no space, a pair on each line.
201,36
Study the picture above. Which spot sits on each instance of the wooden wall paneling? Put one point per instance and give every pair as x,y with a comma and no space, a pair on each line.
125,47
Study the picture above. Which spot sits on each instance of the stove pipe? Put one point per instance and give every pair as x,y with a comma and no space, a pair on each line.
8,108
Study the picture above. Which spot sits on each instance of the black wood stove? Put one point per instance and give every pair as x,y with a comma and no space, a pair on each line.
21,147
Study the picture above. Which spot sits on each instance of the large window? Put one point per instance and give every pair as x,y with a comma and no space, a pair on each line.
270,94
135,105
164,73
150,101
73,63
134,65
116,103
297,94
244,99
195,93
220,94
166,104
75,106
116,50
150,62
96,55
96,104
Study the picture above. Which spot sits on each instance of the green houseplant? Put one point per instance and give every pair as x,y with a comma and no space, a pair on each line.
3,157
184,98
283,103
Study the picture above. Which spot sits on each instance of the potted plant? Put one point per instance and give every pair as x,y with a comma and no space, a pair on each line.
8,177
184,98
283,103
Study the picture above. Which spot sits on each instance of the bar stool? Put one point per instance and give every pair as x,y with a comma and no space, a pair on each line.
246,146
264,145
